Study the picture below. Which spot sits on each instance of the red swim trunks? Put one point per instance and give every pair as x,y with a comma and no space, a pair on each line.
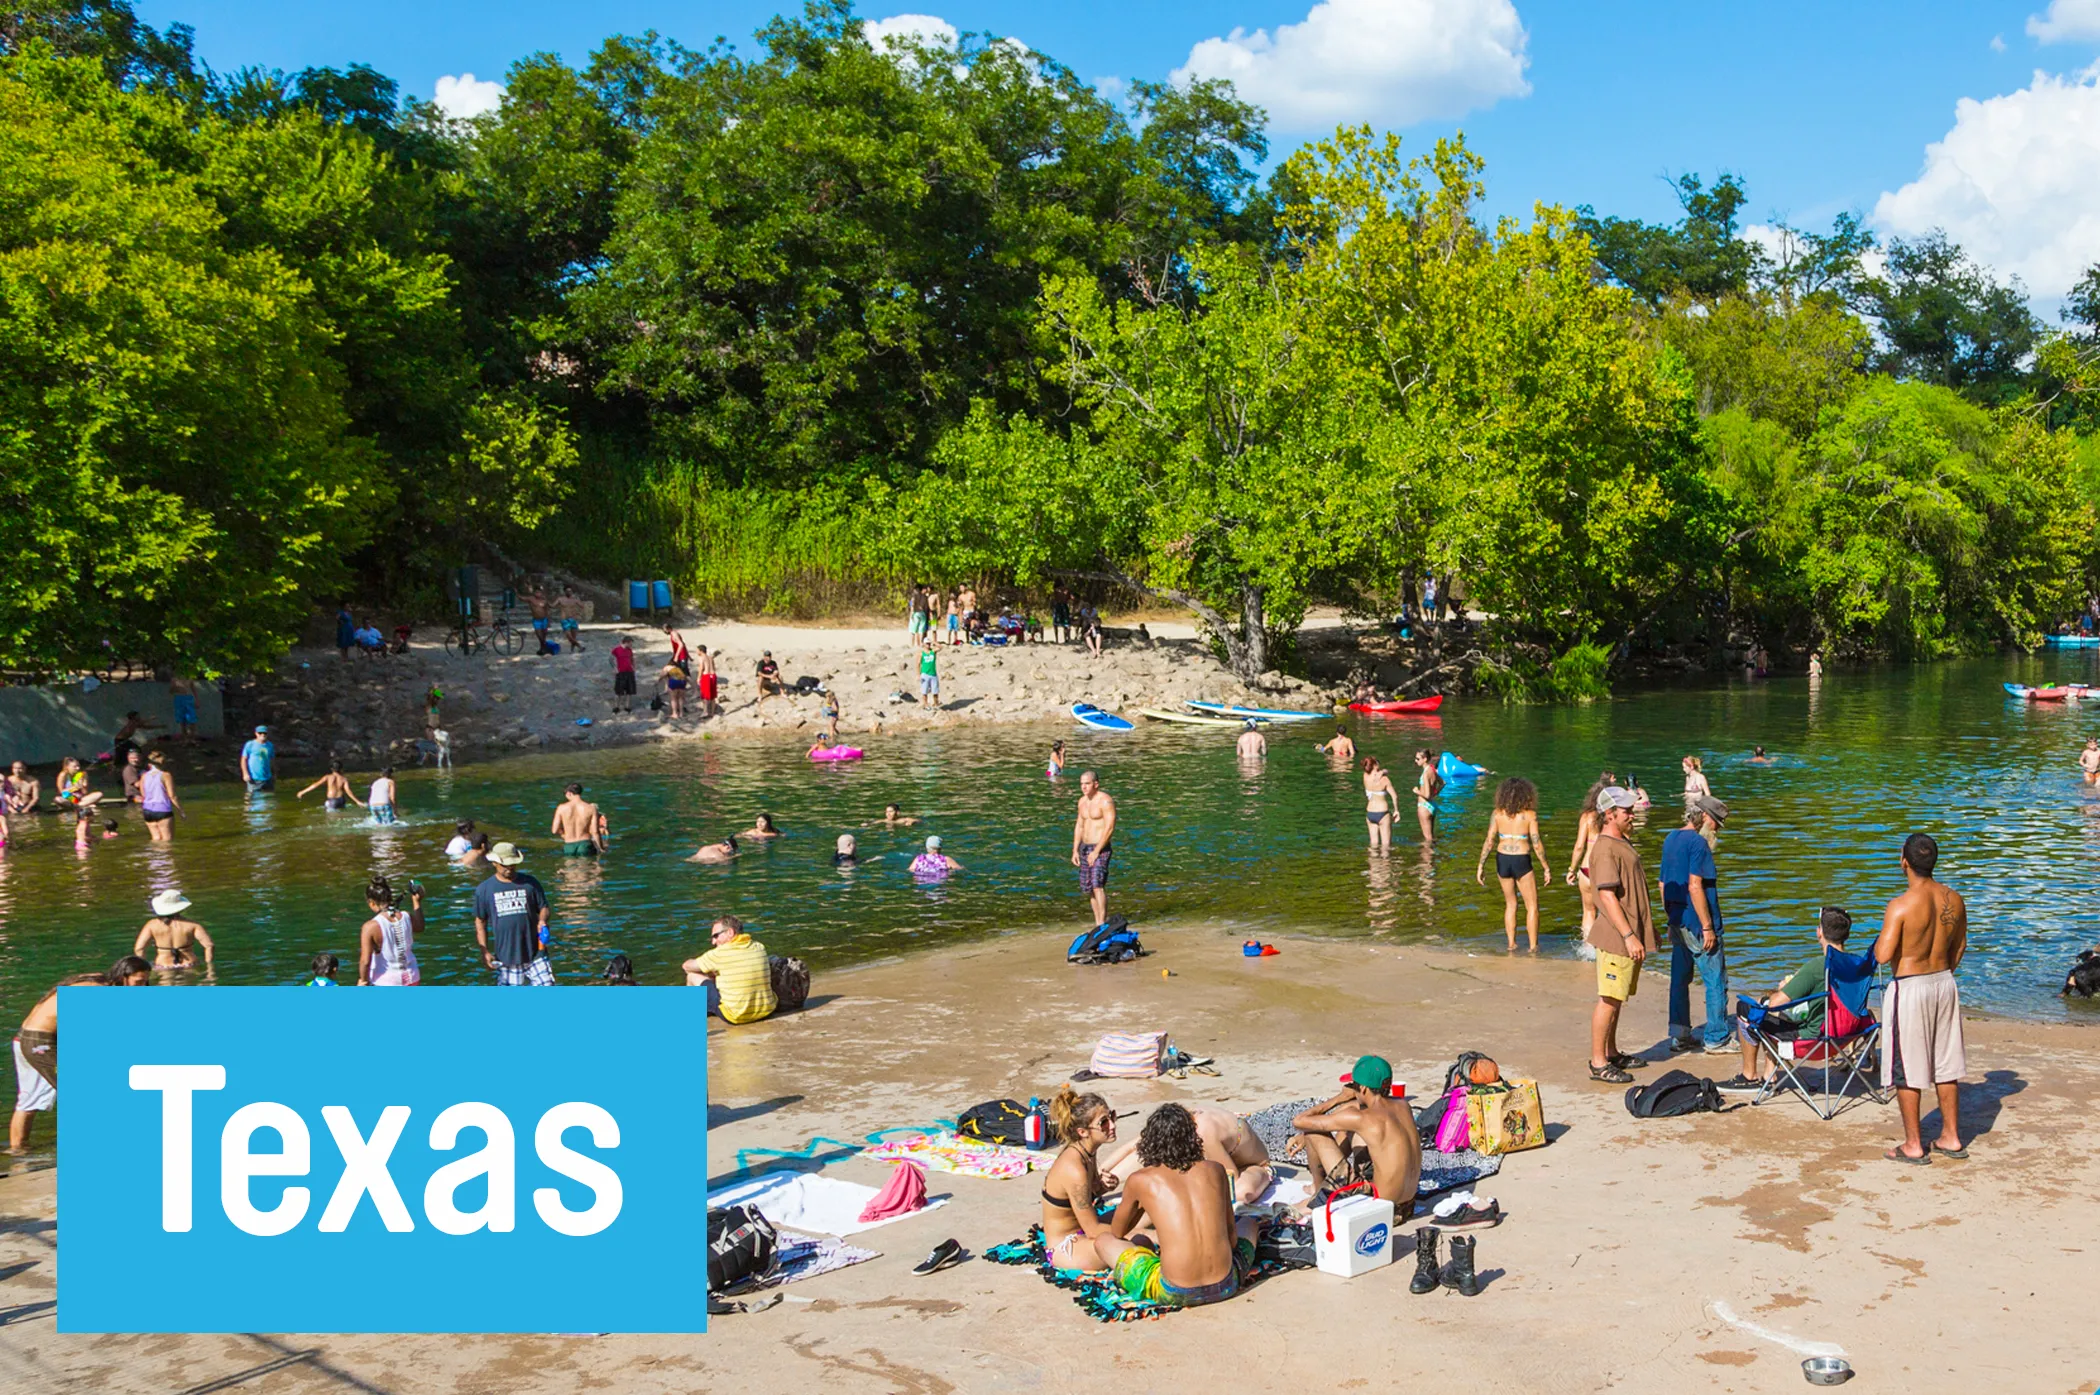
709,686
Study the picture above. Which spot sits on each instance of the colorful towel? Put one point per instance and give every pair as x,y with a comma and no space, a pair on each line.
805,1259
1284,1245
947,1152
903,1194
1441,1172
806,1202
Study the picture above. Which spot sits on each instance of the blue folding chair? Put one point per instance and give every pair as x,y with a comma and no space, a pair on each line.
1840,1058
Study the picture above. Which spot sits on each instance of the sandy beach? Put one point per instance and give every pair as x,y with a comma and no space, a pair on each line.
1704,1253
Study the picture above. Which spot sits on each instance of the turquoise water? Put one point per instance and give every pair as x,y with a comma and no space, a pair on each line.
1868,758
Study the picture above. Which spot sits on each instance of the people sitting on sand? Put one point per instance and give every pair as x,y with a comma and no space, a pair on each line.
1204,1253
763,827
1227,1141
1085,1125
933,862
724,851
1364,1135
892,817
736,974
1833,927
848,854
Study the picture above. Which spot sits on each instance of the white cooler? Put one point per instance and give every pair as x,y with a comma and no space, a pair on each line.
1363,1236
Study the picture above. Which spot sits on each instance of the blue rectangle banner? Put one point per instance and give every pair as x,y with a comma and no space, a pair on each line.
424,1160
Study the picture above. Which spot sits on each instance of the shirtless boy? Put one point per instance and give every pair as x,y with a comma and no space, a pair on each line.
579,825
1364,1135
36,1047
1186,1200
1923,936
1227,1141
1093,833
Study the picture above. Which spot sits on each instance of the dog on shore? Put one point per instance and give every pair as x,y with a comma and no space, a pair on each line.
2084,977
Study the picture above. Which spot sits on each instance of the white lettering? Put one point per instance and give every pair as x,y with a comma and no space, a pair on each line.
364,1168
176,1084
495,1160
606,1193
238,1163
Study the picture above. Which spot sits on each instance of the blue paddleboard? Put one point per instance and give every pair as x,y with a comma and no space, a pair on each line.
1094,717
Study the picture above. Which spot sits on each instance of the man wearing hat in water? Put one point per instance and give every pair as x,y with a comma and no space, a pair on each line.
258,762
933,862
1363,1134
512,906
1623,933
1692,904
1252,744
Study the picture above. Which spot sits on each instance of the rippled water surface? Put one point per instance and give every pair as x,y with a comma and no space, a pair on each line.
1859,762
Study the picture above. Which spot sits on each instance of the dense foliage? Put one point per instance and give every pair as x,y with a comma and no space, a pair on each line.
796,325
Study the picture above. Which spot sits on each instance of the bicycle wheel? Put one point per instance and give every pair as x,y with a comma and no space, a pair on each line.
512,640
452,642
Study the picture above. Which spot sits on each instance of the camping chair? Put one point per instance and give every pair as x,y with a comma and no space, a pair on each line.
1843,1054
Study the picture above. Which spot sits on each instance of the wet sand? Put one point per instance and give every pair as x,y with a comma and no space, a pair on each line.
1643,1256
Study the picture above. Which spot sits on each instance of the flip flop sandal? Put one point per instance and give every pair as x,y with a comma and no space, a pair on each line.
1897,1155
1206,1068
1960,1154
1610,1075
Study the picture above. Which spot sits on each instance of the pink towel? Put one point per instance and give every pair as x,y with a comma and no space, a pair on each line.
905,1192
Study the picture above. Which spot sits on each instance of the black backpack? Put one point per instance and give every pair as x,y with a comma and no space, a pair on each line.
790,982
1110,942
1671,1094
995,1121
742,1248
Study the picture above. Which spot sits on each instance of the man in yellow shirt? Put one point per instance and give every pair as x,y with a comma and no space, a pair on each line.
736,974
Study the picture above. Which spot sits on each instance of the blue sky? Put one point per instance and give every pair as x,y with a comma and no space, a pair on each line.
1982,117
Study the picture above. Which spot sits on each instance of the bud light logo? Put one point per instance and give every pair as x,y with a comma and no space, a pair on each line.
1371,1241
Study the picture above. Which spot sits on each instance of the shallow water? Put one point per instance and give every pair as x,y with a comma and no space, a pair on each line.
1859,763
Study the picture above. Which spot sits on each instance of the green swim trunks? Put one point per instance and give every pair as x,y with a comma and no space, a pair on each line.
1136,1272
585,848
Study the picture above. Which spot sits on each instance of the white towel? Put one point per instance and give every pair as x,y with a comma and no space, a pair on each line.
807,1202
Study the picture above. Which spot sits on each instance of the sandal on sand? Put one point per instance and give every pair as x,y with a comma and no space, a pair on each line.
1959,1154
1896,1154
1626,1062
1610,1075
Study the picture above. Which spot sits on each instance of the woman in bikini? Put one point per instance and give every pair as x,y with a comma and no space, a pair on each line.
334,787
172,934
1513,832
1056,767
1379,798
1084,1124
73,791
1426,790
1695,779
386,946
1586,824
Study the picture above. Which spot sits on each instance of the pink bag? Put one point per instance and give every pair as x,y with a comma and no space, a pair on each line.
1452,1133
904,1193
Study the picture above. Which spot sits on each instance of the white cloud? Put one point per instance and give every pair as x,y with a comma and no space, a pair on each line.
1388,62
2066,19
2016,182
1997,43
925,29
466,95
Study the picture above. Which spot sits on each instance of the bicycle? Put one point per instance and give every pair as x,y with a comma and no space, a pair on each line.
505,635
467,639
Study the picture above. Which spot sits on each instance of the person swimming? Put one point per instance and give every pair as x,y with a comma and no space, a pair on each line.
892,817
848,854
1758,756
724,851
763,828
933,863
1339,746
1056,766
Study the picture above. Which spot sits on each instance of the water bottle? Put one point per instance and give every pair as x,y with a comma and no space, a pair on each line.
1035,1131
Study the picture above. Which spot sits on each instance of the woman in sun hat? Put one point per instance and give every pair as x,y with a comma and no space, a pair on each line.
172,934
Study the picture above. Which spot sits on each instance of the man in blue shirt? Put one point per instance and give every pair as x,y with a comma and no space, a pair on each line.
258,760
1692,901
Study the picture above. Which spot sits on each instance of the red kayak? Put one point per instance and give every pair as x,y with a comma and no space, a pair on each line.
1423,704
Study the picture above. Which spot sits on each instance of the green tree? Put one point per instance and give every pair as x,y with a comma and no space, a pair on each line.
1949,322
1780,360
1703,255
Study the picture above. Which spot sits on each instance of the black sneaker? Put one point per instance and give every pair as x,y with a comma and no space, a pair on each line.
1680,1045
1740,1085
945,1255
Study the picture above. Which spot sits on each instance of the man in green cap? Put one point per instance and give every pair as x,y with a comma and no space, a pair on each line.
1363,1134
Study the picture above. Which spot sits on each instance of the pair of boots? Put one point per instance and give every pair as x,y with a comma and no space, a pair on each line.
1458,1274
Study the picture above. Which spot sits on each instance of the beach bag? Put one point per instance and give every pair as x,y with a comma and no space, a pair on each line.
1455,1132
1472,1068
995,1121
1505,1118
790,981
1110,942
742,1248
1671,1094
1129,1055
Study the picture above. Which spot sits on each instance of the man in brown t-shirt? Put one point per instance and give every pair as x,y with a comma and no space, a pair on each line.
1623,933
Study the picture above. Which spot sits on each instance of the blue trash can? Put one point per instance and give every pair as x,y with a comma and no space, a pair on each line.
638,598
660,595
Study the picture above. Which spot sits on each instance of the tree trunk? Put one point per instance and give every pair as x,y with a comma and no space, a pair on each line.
1246,652
1254,635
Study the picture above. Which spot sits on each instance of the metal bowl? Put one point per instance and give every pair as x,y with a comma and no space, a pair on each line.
1827,1370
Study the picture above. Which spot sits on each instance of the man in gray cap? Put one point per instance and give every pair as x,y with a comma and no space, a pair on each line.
1692,903
1623,933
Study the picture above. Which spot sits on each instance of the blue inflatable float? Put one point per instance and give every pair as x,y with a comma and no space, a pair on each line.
1452,768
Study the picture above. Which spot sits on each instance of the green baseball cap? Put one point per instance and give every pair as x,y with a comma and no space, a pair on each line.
1373,1073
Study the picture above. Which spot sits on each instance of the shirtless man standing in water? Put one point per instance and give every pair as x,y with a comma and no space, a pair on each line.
579,825
1923,936
1093,833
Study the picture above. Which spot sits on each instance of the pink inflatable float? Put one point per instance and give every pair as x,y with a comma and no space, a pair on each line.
837,753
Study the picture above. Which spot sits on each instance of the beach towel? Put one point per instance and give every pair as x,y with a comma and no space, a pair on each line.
805,1259
947,1152
807,1202
1441,1172
1283,1245
903,1194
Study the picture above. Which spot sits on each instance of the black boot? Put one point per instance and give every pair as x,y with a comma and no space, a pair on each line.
1459,1273
1425,1278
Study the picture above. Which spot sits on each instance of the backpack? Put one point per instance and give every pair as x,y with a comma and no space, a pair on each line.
1110,942
790,982
742,1248
995,1121
1671,1094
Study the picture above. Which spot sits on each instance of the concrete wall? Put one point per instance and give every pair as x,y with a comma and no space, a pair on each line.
41,725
